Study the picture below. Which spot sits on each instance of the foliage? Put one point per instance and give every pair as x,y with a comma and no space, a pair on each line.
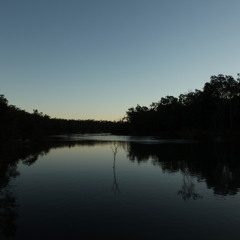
216,108
19,124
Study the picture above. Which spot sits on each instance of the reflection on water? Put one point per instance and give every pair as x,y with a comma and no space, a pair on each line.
188,187
8,212
217,164
115,187
154,175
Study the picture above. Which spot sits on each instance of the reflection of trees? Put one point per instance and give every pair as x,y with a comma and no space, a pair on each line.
114,150
8,212
225,179
188,187
115,187
217,163
28,153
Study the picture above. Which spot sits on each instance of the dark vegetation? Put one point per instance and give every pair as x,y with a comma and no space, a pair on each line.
19,124
215,110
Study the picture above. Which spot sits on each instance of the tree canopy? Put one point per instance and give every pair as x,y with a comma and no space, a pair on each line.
215,108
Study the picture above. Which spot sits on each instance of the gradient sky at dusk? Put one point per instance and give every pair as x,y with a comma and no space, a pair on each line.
94,59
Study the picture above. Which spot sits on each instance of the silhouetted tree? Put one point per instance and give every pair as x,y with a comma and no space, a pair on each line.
215,109
19,124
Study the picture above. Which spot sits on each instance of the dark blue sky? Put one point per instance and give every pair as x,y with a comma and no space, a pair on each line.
95,59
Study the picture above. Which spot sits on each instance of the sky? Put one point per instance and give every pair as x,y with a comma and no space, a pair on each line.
94,59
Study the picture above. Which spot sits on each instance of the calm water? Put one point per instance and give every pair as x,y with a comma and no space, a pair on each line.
109,187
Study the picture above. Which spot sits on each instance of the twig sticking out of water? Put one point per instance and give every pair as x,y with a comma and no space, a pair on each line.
114,150
115,187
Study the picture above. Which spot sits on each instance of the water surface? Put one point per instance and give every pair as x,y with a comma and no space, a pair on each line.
111,187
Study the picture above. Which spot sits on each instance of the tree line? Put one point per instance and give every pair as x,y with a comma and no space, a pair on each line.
16,123
214,109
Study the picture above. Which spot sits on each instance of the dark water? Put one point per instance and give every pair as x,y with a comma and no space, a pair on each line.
109,187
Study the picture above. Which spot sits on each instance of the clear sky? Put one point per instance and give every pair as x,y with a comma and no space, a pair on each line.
94,59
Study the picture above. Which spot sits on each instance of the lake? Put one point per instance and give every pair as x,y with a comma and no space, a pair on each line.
119,187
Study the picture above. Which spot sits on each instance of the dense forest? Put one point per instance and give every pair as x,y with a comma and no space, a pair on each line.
213,110
19,124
